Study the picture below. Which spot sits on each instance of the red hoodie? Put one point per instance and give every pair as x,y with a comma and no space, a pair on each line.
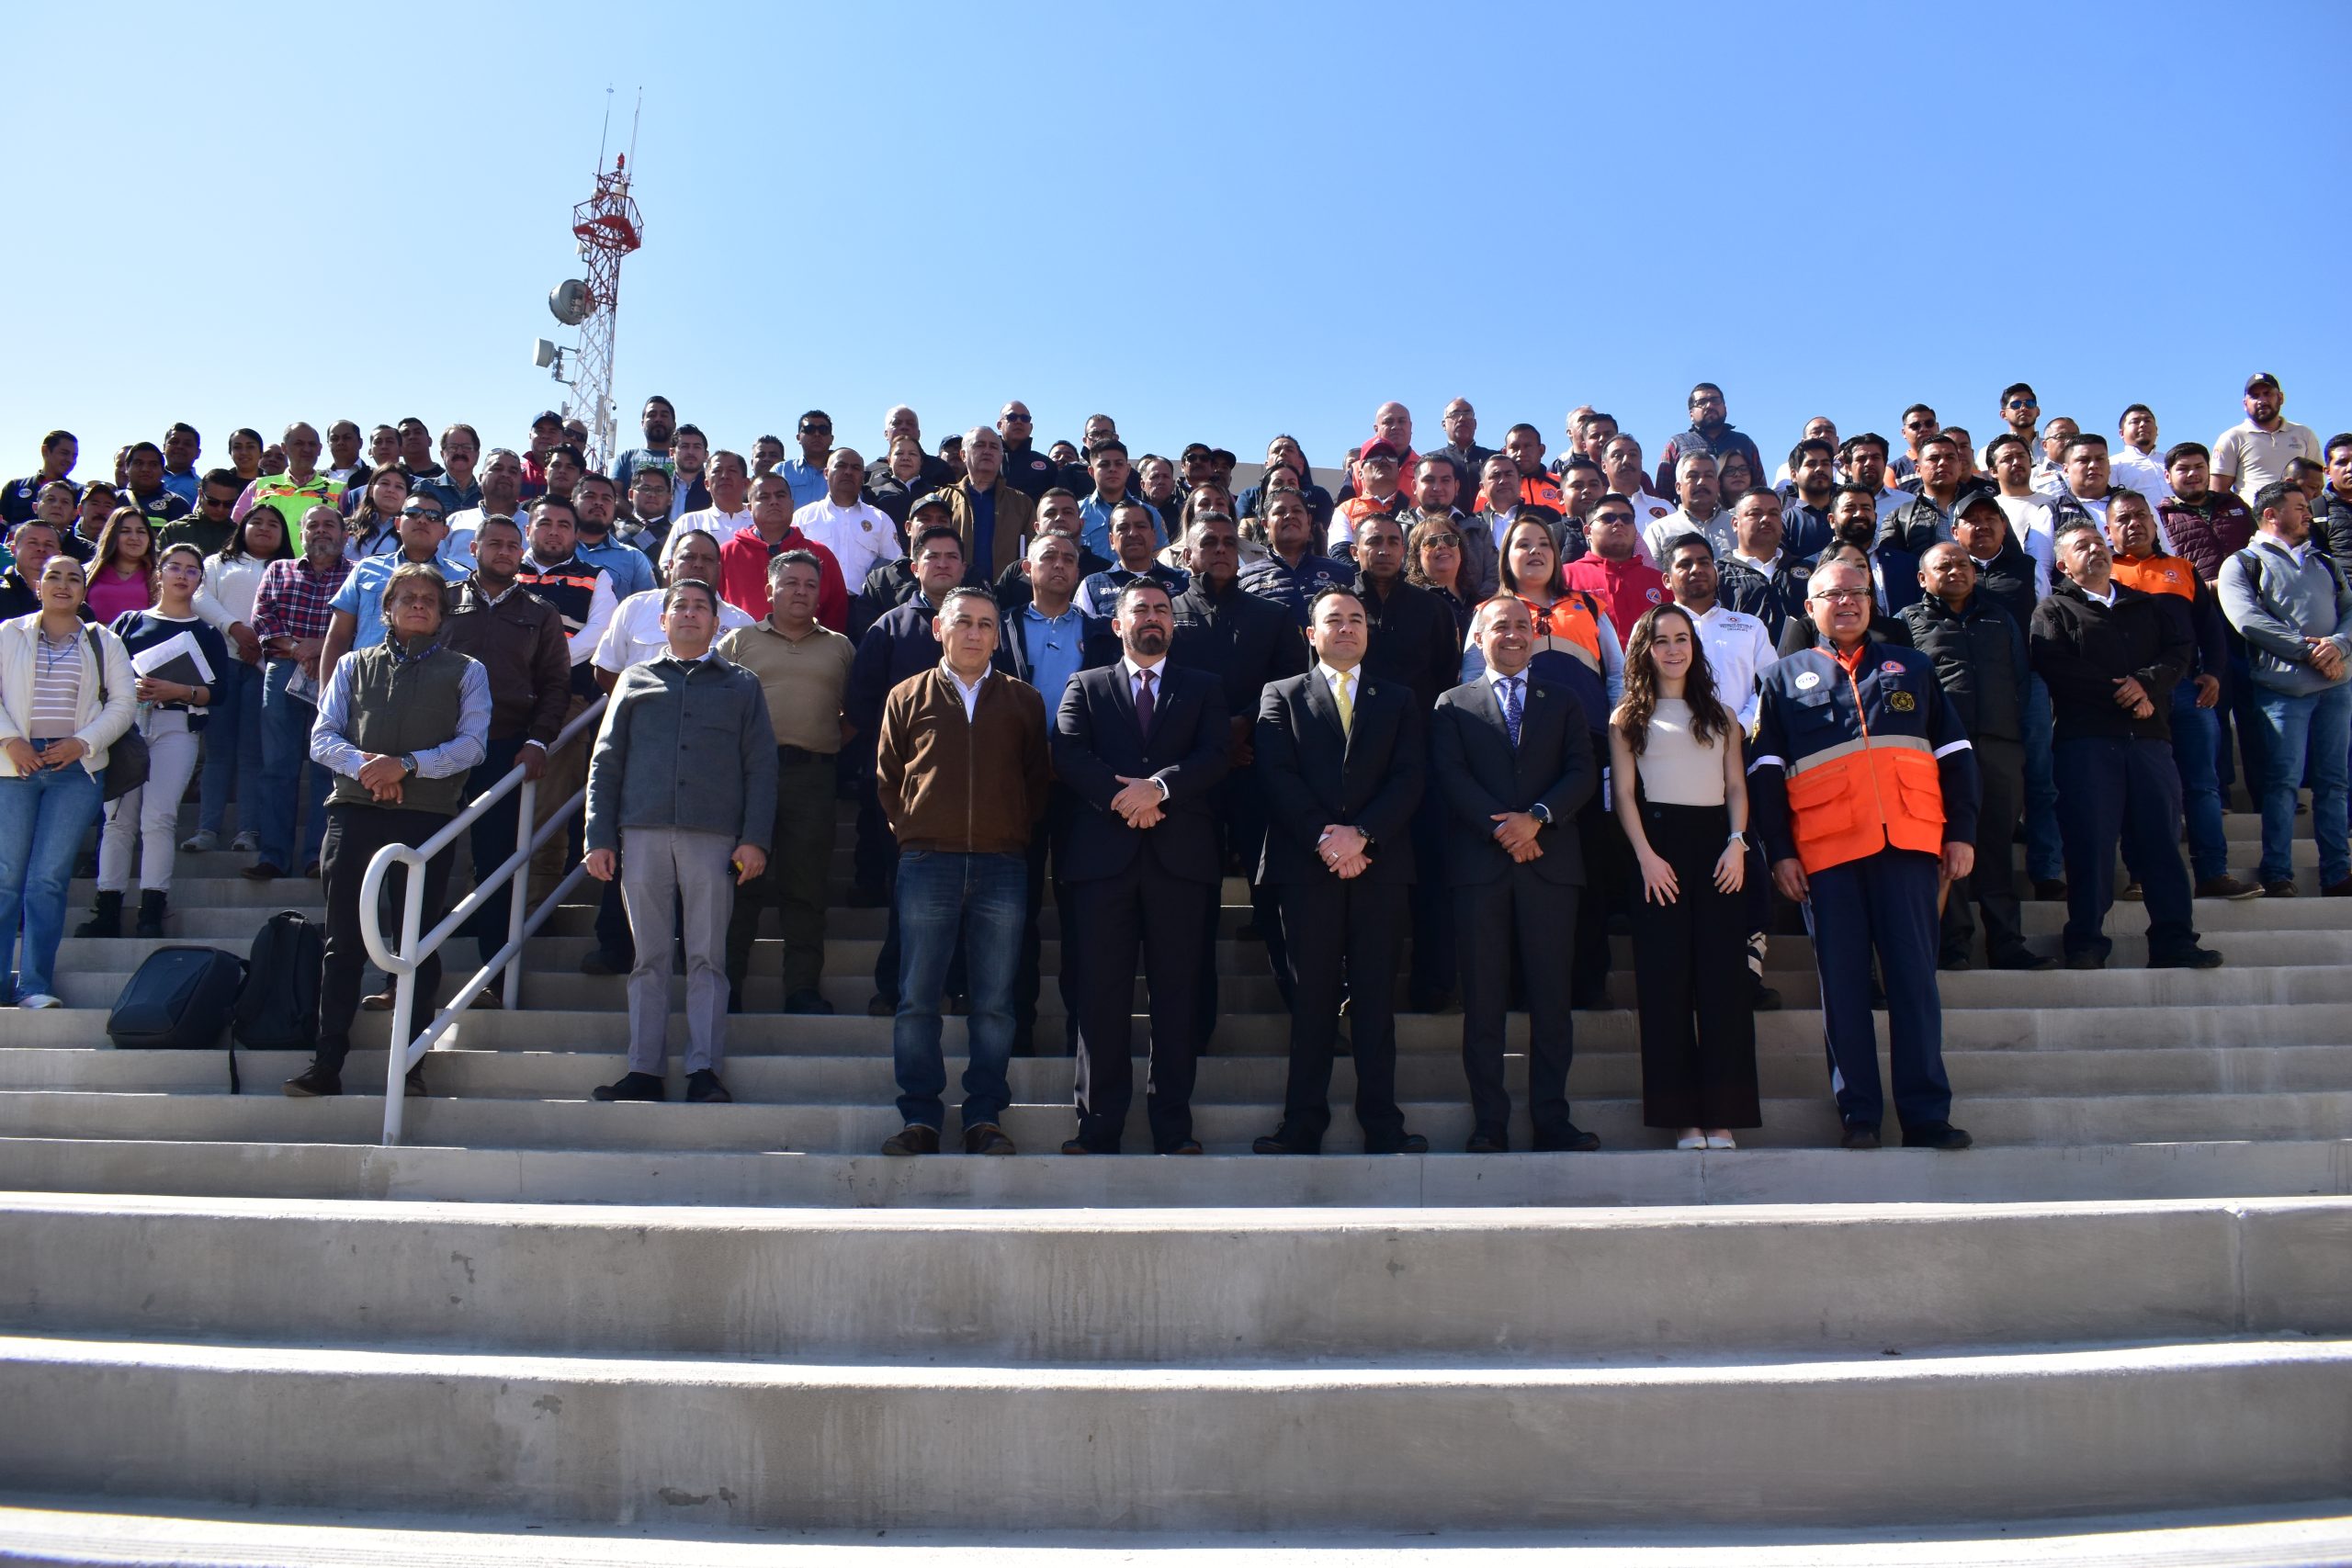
744,575
1626,588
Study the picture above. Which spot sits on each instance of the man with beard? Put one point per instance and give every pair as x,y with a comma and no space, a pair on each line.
659,421
1293,573
2257,450
1709,433
1805,513
1141,744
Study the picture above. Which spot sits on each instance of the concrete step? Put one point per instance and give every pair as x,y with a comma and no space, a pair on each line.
1988,1174
866,1077
1041,1127
764,1031
1173,1286
51,1530
1389,1443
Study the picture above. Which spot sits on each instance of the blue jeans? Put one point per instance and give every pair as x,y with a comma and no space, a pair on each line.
2045,859
43,822
285,756
2196,744
2314,726
232,750
982,900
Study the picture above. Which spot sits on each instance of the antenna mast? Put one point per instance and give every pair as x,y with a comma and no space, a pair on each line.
606,226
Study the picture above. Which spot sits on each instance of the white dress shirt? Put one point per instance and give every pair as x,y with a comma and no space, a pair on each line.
720,526
1739,649
972,693
634,633
2142,471
860,537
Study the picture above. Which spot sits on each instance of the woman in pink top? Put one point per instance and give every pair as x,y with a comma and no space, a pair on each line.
123,577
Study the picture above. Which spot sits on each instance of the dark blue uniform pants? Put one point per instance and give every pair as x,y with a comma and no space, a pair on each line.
2111,789
1887,900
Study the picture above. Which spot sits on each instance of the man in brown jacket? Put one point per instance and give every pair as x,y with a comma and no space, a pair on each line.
961,771
994,517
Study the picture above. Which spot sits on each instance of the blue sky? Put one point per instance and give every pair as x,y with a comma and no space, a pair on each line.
1214,222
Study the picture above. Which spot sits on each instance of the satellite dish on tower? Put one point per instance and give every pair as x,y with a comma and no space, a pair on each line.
571,302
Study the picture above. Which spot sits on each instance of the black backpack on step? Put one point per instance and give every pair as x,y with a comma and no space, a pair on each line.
278,1009
179,1000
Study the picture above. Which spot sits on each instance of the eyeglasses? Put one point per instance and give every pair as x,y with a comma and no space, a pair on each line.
1453,539
1841,595
2023,403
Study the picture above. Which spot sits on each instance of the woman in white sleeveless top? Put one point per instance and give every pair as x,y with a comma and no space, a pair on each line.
1677,757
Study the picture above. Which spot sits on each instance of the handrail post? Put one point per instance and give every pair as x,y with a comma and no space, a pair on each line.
518,893
403,1005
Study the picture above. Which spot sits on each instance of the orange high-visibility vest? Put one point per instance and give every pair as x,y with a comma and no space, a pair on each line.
1865,793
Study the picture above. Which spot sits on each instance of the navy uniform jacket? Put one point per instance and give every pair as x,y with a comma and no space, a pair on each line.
1313,773
1097,741
1807,706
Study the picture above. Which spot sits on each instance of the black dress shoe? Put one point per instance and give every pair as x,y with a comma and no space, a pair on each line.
415,1083
1763,998
1936,1136
1955,963
914,1138
1280,1142
633,1085
1570,1140
599,961
2188,958
1189,1146
1487,1144
313,1082
261,870
2049,891
987,1138
1073,1146
703,1087
1403,1143
1859,1137
2086,960
880,1006
810,1002
2024,961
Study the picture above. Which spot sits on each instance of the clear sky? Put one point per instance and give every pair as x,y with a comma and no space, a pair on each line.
1214,221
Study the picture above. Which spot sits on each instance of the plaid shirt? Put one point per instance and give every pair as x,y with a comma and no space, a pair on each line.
293,600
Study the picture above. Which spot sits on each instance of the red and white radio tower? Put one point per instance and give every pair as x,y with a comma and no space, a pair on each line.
608,227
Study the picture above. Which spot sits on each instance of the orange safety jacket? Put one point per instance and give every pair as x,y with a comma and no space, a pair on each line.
1859,752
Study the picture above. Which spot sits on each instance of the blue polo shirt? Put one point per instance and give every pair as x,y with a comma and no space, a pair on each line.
362,594
626,565
807,483
1295,587
1096,511
1056,647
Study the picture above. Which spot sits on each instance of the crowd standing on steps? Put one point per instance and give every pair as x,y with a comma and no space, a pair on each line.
1456,720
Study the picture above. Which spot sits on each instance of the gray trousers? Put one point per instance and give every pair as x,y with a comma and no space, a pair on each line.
658,864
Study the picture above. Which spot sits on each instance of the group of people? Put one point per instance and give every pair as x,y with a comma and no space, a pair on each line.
1499,705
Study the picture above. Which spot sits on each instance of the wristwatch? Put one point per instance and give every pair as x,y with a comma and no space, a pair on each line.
1739,838
407,765
1540,812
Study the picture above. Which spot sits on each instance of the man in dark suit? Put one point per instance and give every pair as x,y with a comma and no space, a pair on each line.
1341,759
1245,641
1512,759
1140,744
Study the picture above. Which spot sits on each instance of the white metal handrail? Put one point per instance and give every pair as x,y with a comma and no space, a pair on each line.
521,922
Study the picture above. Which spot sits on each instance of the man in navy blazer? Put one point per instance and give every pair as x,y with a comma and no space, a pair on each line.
1512,758
1341,759
1140,744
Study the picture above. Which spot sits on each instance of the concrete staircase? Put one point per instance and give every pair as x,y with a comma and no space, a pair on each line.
238,1327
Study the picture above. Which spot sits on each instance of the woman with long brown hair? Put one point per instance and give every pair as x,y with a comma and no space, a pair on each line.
122,568
1680,784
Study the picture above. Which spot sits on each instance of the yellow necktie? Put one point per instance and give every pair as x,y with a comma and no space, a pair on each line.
1339,683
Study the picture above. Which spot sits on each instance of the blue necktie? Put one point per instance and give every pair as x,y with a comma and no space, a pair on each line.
1510,708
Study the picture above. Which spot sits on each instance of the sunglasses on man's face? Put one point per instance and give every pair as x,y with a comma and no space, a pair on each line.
420,512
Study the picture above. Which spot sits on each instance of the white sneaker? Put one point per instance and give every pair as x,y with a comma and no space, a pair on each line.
1721,1141
37,999
200,843
1692,1139
246,843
